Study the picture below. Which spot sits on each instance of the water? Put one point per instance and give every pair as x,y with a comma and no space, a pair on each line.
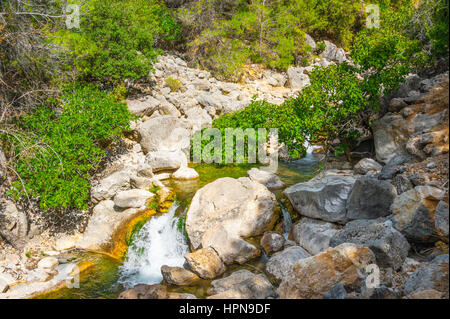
287,221
158,243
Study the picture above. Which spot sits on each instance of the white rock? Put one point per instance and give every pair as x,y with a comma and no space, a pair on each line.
132,198
48,263
270,180
185,173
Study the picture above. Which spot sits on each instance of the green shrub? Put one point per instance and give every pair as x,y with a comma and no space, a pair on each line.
60,145
174,84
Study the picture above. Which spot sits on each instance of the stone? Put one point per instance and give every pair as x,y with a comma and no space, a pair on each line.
281,264
297,79
432,276
272,242
367,165
143,291
39,275
313,235
48,263
165,133
5,281
322,197
402,184
206,263
163,160
185,173
66,243
143,107
336,292
141,182
178,276
175,295
441,219
14,225
389,245
310,41
243,207
270,180
241,284
314,276
168,109
199,117
110,185
133,198
397,104
413,213
370,198
332,52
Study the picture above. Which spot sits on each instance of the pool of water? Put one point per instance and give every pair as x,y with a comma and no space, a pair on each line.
109,277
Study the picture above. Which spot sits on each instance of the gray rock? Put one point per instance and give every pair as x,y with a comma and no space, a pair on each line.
206,263
178,276
397,104
163,160
337,292
110,185
390,136
388,245
370,198
367,165
270,180
323,197
402,184
281,264
14,225
310,41
297,79
313,235
143,107
272,242
441,218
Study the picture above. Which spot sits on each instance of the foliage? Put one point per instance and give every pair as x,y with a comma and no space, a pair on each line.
174,84
60,145
118,39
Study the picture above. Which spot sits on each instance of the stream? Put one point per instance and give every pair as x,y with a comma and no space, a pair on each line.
160,242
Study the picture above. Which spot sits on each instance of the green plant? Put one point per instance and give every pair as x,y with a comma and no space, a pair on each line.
119,92
174,84
61,142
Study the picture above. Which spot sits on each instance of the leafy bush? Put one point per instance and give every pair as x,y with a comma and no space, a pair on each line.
173,84
118,39
60,145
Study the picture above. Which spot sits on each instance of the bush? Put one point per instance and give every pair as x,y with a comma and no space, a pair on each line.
60,145
119,39
173,84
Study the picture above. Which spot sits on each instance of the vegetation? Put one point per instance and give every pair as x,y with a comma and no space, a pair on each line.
174,84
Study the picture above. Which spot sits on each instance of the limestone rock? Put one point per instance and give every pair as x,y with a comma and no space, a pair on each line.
48,263
163,160
143,107
367,165
178,276
272,242
206,263
270,180
297,79
281,264
313,235
110,185
133,198
185,173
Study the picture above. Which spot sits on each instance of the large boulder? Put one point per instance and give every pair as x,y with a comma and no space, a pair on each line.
389,245
165,133
414,213
314,276
241,207
322,197
370,198
164,160
433,277
206,263
280,265
241,284
313,235
199,117
270,180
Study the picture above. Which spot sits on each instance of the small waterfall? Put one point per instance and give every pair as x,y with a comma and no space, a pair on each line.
287,221
310,148
158,243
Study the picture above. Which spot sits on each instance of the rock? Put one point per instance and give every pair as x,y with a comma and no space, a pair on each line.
243,207
5,281
281,264
206,263
322,197
310,41
143,291
297,79
367,165
441,219
167,108
242,284
336,292
432,276
163,160
143,107
270,180
390,136
199,117
175,295
332,52
185,173
314,276
39,275
110,185
165,133
48,263
414,213
425,294
397,104
178,276
133,198
230,248
388,244
370,198
272,242
402,184
313,235
381,292
141,182
66,243
14,226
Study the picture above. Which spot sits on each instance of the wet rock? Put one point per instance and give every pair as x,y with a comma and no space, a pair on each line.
178,276
243,207
272,242
206,263
413,213
133,198
370,198
163,160
441,219
388,244
367,165
313,235
322,197
143,291
281,264
270,180
241,284
185,173
432,276
314,276
336,292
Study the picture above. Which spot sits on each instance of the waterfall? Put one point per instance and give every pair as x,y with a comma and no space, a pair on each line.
158,243
287,221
